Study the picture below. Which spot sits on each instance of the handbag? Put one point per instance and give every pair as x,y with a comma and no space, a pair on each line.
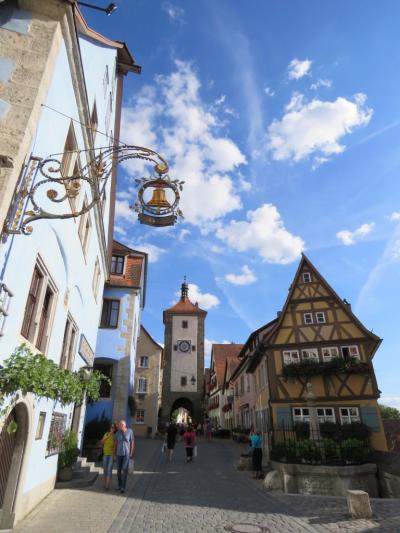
131,467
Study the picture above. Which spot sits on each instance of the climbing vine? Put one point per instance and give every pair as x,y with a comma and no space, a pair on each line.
26,372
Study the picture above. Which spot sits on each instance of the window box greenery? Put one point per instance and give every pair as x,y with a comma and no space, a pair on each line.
338,365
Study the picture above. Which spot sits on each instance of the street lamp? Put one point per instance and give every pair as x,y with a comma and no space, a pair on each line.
193,380
43,187
109,10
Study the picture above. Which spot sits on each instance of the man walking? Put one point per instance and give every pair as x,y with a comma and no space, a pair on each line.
124,449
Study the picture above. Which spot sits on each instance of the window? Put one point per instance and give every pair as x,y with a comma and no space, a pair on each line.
349,415
241,385
193,347
308,318
248,382
291,356
310,354
40,426
183,381
184,324
105,386
94,122
144,361
117,264
84,228
329,353
325,414
69,344
5,297
350,352
39,308
96,278
142,385
58,425
175,347
320,317
306,277
109,314
301,414
139,419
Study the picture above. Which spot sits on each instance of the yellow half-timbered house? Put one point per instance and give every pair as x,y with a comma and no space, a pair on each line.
317,340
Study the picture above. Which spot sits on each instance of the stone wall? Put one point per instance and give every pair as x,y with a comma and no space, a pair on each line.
327,480
388,473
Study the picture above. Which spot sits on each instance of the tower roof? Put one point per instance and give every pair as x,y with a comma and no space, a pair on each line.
185,306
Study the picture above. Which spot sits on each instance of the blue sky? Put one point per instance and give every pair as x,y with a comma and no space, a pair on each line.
283,118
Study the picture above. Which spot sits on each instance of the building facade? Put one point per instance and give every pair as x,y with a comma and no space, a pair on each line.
148,378
124,298
183,374
54,96
244,396
317,330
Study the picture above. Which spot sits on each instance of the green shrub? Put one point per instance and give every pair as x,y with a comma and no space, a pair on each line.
309,451
354,451
284,451
68,451
330,450
355,430
302,430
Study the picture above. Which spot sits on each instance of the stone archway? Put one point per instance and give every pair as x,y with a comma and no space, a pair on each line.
19,440
183,403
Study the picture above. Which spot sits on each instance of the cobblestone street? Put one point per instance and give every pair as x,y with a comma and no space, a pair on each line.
208,495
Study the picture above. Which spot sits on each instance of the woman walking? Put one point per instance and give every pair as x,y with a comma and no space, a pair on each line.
171,438
108,452
189,439
256,448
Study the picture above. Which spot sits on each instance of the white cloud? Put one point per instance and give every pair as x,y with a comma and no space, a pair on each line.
268,91
395,216
205,300
297,68
120,230
152,250
247,277
391,401
124,212
183,233
321,83
172,117
173,11
396,249
348,237
315,128
264,232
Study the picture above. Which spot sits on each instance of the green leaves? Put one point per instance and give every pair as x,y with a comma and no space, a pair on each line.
337,365
23,371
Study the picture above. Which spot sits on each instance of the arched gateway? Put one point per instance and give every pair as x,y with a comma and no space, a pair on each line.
183,375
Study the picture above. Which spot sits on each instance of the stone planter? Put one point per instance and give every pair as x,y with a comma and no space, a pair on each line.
65,474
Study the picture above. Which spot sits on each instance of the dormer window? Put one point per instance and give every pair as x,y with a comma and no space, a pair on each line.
117,264
306,277
320,317
308,318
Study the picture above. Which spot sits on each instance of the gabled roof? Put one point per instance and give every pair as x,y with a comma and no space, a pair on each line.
220,354
142,328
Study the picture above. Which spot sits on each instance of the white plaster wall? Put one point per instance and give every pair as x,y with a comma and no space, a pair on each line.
184,364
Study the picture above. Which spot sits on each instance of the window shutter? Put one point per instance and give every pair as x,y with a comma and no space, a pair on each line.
369,416
284,416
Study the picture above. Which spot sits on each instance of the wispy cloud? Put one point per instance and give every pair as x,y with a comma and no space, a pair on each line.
268,91
175,12
395,216
206,300
298,68
247,277
321,83
349,238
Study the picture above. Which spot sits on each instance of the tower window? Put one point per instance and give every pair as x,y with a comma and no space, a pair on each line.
193,347
183,381
184,324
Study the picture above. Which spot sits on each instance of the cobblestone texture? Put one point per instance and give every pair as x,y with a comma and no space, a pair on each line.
208,495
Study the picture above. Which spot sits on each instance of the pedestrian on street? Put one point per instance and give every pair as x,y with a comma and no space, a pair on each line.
256,454
189,439
124,450
171,438
208,430
198,429
108,454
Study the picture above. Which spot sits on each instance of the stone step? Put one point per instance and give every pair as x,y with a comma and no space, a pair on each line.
78,483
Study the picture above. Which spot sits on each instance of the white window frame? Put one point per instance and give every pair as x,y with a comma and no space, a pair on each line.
351,347
290,356
70,340
309,317
325,417
140,419
312,354
320,315
349,418
302,417
142,386
329,357
141,358
96,278
307,277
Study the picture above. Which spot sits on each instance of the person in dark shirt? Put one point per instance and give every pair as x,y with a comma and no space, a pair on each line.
171,438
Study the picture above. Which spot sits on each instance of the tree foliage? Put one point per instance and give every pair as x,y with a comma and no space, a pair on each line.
389,412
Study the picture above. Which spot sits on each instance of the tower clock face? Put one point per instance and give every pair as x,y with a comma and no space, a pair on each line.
184,346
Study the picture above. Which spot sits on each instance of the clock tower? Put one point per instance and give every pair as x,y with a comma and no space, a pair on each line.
183,374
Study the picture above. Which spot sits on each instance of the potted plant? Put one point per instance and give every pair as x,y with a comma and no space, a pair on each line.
67,456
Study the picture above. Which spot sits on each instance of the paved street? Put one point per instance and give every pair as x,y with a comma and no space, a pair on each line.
208,495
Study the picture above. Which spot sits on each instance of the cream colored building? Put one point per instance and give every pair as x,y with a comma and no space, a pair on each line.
147,385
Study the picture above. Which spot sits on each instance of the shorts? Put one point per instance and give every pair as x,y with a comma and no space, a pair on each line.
107,465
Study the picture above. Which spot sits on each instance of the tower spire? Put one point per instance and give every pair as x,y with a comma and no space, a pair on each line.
184,289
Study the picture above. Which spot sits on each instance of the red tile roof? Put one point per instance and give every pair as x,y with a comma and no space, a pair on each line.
220,354
134,263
